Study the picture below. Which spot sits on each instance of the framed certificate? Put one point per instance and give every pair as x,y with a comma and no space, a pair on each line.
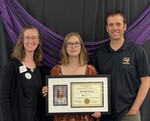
78,94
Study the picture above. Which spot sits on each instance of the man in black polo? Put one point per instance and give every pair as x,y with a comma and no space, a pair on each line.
127,64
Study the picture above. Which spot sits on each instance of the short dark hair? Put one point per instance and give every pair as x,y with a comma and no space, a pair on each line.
116,12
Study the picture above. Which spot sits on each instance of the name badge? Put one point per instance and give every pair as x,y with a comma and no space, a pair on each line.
22,69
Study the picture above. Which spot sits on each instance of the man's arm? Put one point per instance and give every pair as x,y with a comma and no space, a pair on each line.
144,88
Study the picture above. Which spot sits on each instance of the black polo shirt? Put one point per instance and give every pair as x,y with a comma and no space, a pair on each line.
126,66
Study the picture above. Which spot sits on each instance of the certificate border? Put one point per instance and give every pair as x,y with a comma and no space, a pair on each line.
85,83
62,80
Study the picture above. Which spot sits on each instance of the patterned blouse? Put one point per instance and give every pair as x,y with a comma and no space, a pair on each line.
90,70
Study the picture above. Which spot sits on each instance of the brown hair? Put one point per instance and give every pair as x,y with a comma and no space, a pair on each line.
83,57
19,51
116,12
58,90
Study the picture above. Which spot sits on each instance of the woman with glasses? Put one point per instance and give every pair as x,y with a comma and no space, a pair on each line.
21,79
74,61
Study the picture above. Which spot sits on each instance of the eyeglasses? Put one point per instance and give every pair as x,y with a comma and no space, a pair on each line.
76,44
33,38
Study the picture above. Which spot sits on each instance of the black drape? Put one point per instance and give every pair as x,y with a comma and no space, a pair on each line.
86,17
5,46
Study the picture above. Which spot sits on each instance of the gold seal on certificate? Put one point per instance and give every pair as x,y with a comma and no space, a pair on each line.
86,101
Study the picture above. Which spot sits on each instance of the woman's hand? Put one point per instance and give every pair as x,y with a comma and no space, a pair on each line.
44,90
96,114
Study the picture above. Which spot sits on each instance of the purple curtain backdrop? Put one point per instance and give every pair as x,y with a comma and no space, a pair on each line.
15,17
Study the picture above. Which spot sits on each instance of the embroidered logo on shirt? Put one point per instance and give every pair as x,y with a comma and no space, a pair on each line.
126,60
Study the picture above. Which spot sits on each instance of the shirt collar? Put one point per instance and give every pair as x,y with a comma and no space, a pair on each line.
122,48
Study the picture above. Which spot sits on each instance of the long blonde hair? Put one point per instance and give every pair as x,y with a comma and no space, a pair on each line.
83,57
